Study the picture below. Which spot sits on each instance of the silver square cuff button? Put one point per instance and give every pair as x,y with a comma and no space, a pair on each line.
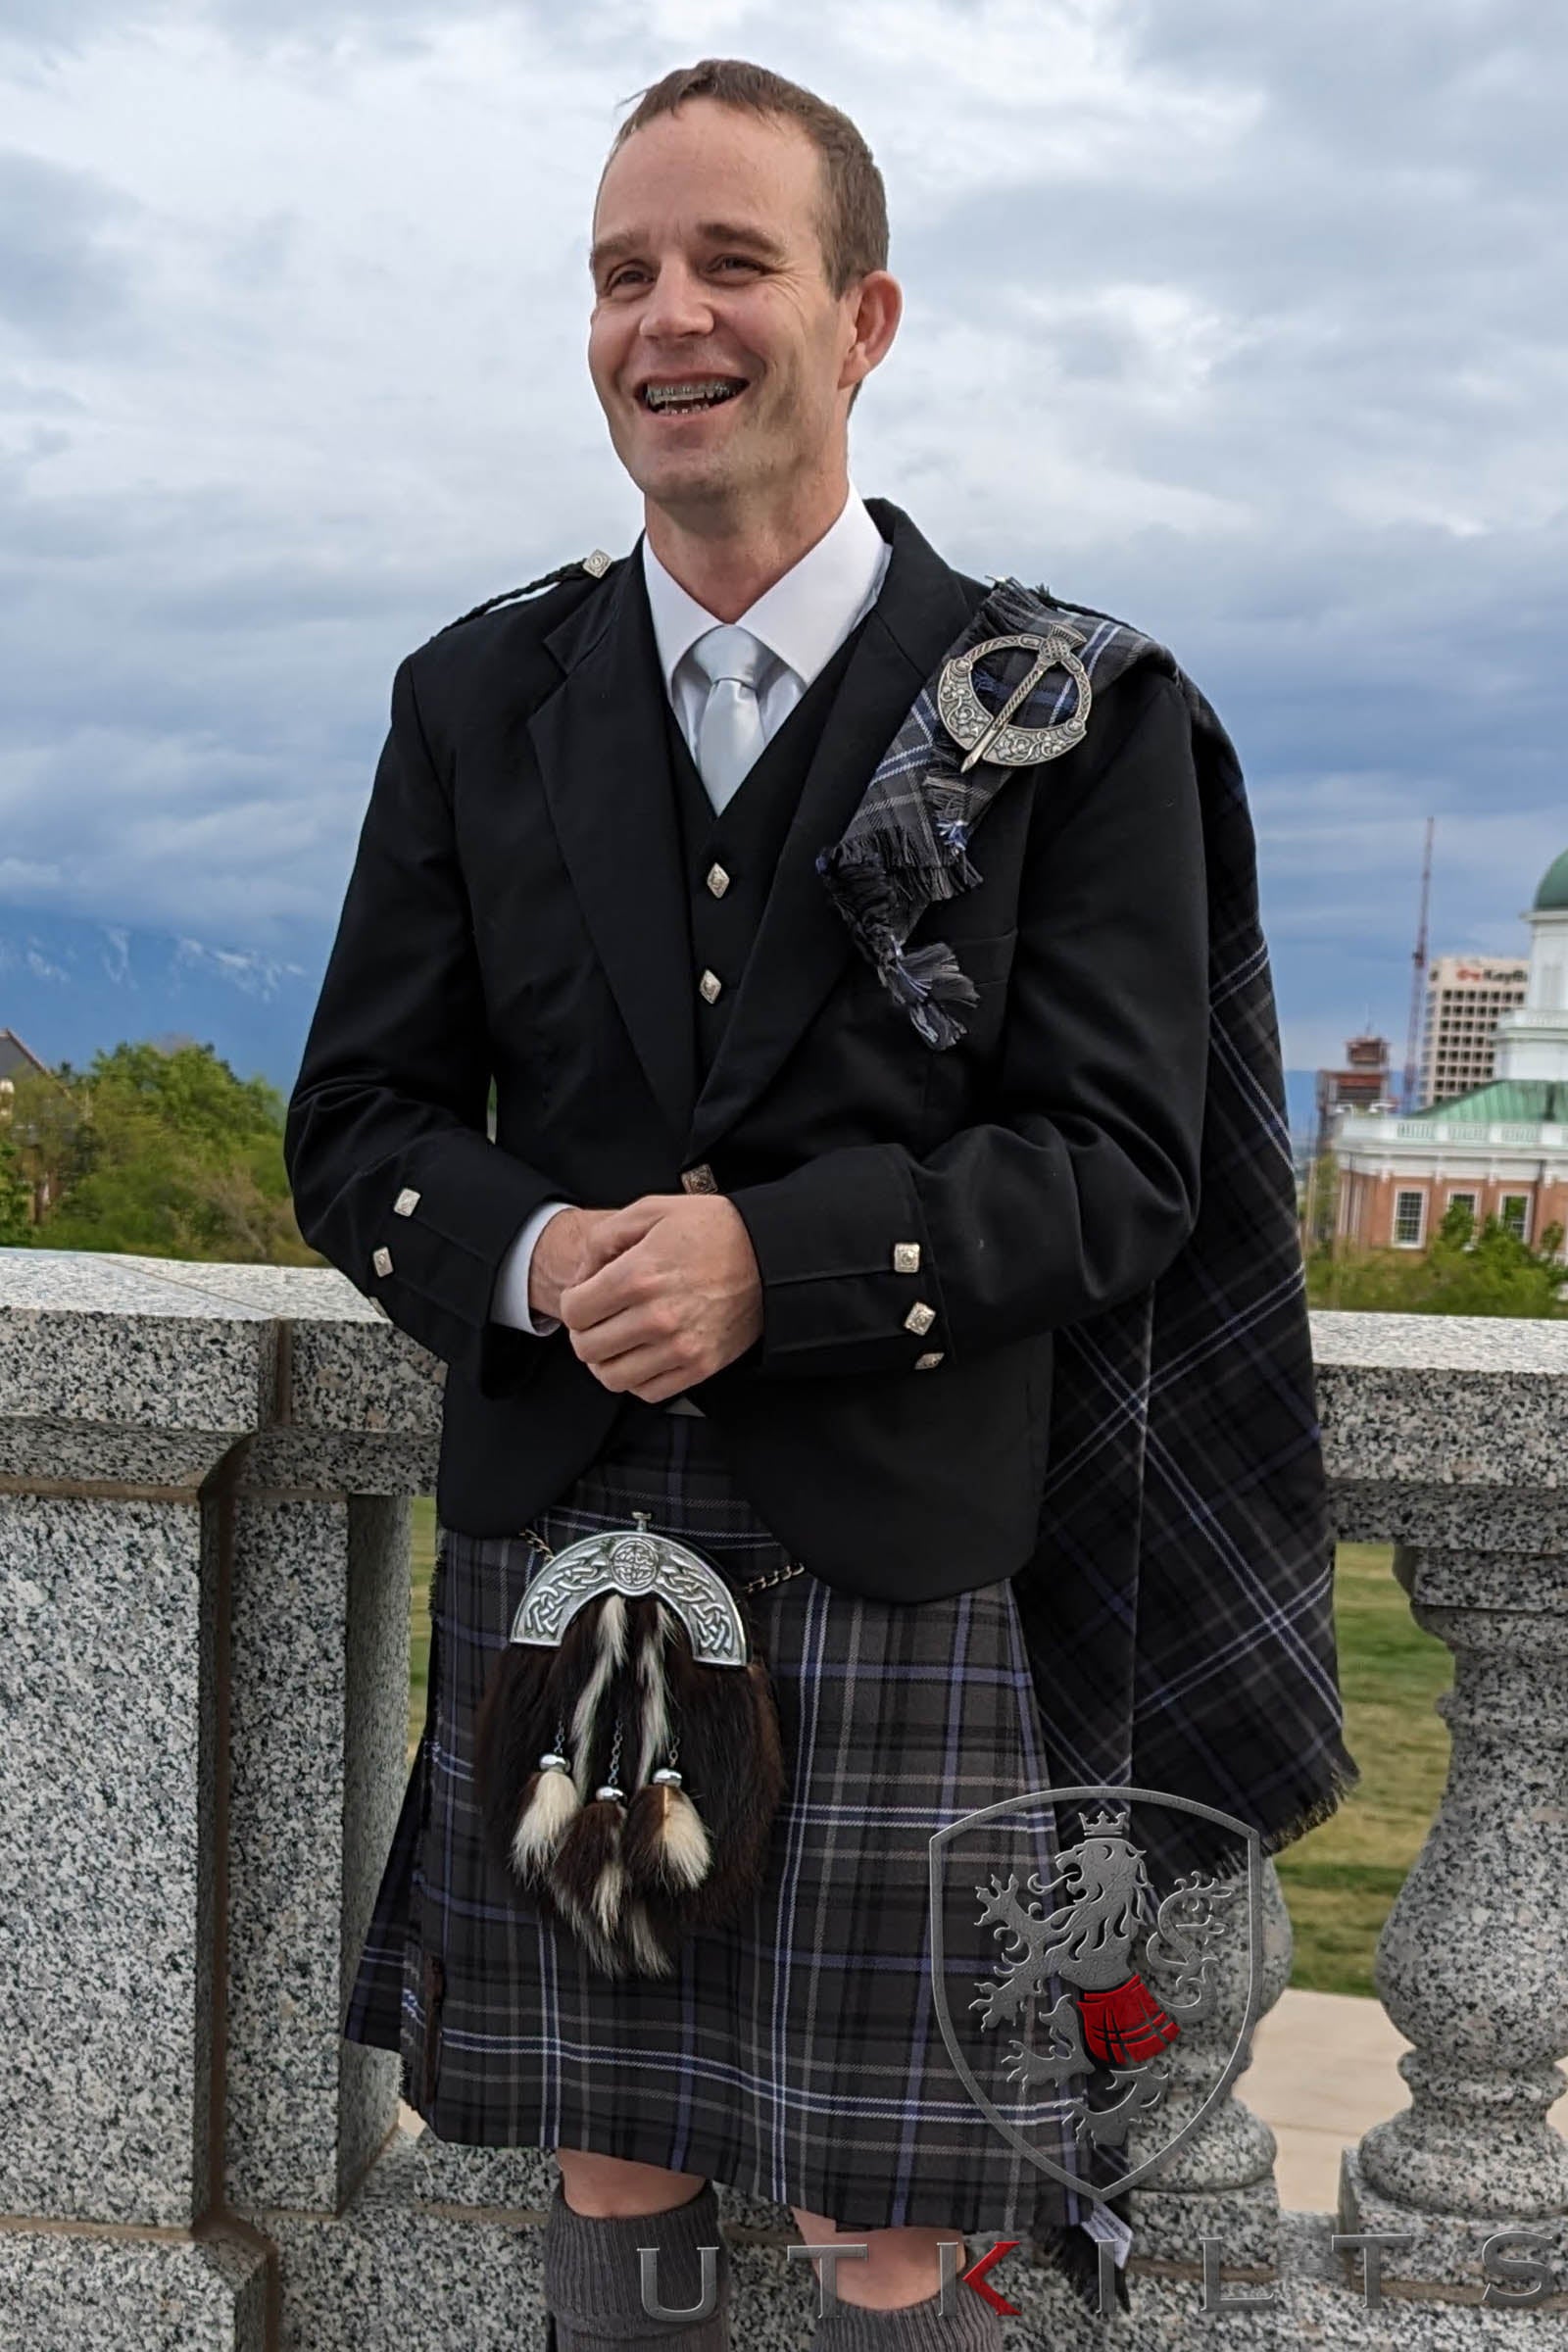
920,1317
928,1363
381,1261
407,1201
906,1258
700,1179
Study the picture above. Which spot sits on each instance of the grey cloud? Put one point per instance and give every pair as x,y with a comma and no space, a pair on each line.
62,282
1288,396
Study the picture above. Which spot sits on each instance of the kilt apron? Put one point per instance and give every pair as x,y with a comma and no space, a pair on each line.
797,2055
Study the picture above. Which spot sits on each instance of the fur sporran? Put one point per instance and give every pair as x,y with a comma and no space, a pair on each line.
599,1690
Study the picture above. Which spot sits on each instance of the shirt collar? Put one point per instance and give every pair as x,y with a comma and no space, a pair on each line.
802,618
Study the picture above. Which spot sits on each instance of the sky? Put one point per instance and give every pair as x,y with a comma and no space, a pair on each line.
1248,322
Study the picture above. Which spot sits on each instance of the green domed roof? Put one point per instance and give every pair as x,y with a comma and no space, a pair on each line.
1554,891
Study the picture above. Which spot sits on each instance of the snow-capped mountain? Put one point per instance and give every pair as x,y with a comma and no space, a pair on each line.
69,986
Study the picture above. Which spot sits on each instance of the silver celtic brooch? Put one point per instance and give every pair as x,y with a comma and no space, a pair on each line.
990,734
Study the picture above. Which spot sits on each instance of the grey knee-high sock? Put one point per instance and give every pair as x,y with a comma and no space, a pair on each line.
593,2276
971,2326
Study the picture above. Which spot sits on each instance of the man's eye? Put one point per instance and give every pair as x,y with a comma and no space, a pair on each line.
735,260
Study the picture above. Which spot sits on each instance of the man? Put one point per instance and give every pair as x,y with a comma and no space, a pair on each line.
774,1239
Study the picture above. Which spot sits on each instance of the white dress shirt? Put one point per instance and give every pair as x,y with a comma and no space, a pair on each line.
803,620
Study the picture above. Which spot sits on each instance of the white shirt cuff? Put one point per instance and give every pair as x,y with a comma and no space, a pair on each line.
509,1301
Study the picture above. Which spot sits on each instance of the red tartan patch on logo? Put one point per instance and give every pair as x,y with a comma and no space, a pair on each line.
1126,2024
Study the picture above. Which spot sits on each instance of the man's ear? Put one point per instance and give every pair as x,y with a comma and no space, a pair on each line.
877,306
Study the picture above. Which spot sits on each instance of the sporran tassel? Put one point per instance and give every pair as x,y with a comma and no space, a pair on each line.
588,1872
665,1844
519,1723
549,1803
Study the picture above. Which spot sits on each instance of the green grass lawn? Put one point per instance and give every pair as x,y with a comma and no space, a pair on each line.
420,1614
1340,1881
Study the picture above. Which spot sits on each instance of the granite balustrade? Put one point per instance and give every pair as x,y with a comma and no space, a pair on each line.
206,1477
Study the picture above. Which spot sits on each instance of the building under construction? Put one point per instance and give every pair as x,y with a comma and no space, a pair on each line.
1466,998
1365,1083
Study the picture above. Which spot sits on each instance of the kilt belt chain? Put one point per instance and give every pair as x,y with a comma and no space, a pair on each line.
627,1631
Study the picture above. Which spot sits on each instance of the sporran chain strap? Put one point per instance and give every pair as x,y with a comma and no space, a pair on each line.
774,1575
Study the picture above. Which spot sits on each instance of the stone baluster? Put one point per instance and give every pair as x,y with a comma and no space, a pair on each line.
1220,2182
1473,1962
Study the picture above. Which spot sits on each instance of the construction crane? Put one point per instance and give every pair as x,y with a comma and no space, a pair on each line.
1418,974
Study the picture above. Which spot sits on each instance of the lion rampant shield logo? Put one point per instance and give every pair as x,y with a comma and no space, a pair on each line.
1095,1978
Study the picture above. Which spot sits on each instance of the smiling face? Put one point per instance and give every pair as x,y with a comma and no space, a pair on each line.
721,357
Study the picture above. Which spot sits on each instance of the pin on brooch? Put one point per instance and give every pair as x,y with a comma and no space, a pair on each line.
990,734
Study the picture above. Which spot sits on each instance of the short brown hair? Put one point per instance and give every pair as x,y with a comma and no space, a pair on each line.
854,221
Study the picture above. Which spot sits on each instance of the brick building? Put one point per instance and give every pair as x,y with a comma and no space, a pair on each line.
1502,1145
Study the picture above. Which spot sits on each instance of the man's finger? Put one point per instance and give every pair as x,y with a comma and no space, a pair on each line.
611,1335
637,1357
644,1372
615,1286
622,1229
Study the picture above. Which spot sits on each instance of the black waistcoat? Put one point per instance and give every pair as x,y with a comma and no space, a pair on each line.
729,859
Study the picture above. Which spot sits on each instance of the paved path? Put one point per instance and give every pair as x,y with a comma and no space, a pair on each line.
1325,2068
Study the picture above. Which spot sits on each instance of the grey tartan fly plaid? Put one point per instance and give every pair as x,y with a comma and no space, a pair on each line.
797,2056
1178,1611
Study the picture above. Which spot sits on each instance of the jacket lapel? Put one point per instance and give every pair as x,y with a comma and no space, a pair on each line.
802,943
600,744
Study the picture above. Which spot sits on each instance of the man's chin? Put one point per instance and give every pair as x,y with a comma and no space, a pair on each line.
694,482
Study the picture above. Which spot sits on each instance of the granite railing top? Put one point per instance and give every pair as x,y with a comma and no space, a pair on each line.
1524,1347
96,1340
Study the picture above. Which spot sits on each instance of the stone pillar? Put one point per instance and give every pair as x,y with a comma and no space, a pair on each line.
126,1404
205,1475
1219,2183
318,1723
1473,1963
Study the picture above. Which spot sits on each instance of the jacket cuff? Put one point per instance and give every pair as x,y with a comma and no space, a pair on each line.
454,1205
848,1279
509,1302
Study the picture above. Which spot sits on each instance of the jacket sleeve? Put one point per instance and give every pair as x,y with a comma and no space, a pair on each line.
1083,1185
393,1174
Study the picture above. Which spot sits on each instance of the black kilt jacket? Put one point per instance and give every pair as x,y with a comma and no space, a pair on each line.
517,910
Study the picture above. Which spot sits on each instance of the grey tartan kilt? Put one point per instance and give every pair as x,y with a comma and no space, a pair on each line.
798,2055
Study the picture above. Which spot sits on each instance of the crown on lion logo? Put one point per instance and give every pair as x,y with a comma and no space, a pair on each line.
1105,1825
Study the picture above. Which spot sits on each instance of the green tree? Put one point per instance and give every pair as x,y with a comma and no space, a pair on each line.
16,1198
163,1155
1465,1272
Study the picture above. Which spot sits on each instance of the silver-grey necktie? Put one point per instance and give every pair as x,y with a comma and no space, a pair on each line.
729,734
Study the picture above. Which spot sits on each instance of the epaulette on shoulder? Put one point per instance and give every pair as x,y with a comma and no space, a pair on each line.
593,567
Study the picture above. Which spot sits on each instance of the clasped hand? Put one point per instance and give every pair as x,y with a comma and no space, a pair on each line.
655,1295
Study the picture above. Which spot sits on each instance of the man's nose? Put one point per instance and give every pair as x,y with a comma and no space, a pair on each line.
677,305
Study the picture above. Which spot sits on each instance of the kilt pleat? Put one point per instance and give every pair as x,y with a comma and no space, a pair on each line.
798,2055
